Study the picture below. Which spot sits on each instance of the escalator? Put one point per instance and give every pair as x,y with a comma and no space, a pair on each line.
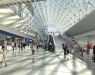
57,42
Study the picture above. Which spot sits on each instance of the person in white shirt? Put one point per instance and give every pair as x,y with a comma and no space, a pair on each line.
75,52
4,49
33,49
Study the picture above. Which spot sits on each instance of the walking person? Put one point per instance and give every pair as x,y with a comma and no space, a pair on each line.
13,47
81,50
24,45
94,53
75,52
88,50
93,58
65,49
4,53
31,46
33,49
19,47
37,46
50,46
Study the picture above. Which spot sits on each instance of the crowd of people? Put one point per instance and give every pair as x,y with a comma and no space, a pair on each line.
87,50
77,49
18,45
15,46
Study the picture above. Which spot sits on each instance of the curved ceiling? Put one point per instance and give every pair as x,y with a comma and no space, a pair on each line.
12,23
85,25
9,2
61,14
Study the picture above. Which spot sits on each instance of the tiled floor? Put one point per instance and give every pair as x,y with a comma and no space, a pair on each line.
45,63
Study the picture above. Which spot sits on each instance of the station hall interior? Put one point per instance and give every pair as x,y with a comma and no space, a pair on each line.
47,37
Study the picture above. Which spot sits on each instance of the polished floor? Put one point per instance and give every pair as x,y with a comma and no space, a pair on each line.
45,63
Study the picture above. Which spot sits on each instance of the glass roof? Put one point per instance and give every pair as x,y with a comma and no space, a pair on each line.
61,14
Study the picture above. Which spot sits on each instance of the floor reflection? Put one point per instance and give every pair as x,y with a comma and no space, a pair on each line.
46,64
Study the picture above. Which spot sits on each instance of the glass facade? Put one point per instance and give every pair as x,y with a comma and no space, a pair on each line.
62,14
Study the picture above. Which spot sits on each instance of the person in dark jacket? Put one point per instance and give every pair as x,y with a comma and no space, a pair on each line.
24,45
94,53
64,46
